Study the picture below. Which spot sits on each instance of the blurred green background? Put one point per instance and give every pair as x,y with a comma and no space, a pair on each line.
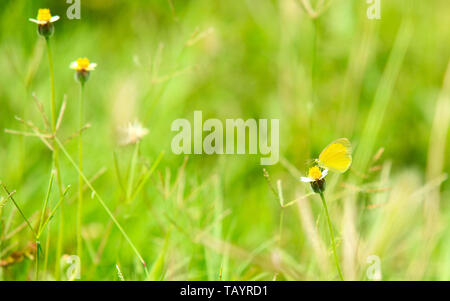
384,84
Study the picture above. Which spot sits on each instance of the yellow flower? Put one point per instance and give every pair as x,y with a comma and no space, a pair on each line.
83,64
316,177
44,17
314,174
44,14
83,68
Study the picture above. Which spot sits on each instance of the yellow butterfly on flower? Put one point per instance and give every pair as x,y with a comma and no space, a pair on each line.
337,156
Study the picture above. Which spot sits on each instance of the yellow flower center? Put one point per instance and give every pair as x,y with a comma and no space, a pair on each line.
44,14
315,173
83,63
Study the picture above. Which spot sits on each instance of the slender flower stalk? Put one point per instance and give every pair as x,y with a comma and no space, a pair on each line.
46,29
52,83
47,248
129,135
333,244
80,183
36,268
41,223
55,154
132,171
53,112
82,67
316,178
105,207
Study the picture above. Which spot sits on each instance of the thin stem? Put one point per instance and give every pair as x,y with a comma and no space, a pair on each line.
52,83
47,248
55,162
314,61
44,208
52,213
41,222
280,230
281,198
29,225
80,179
118,175
20,210
332,237
36,270
146,176
132,171
102,202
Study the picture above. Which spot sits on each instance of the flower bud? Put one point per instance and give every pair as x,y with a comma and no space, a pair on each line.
82,76
318,186
83,68
46,30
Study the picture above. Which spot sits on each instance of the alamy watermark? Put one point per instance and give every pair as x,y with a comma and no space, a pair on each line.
218,142
374,9
74,10
72,266
373,272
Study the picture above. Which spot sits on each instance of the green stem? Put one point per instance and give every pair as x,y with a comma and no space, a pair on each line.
55,162
80,179
132,171
47,248
281,227
102,202
36,271
146,176
314,62
9,194
52,84
20,210
52,213
44,208
41,222
332,237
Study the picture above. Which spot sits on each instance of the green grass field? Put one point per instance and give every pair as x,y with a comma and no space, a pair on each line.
322,67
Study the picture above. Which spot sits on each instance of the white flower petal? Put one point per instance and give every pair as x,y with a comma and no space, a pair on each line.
37,21
91,66
306,179
73,65
324,173
54,19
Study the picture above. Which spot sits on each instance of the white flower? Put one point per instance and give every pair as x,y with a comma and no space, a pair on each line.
132,133
44,17
83,64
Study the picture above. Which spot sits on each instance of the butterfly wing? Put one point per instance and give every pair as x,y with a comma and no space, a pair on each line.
337,156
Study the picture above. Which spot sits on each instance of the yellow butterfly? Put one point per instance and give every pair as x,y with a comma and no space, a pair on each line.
337,156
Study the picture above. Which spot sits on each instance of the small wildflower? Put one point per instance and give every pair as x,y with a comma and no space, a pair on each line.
45,22
83,67
316,177
133,133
